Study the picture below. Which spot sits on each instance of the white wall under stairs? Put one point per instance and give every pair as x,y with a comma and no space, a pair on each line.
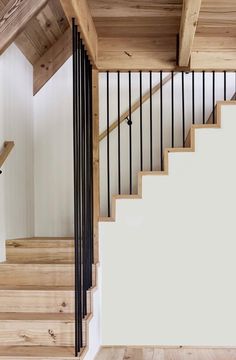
168,261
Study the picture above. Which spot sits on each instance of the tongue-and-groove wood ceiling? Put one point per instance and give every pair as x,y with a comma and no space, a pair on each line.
132,34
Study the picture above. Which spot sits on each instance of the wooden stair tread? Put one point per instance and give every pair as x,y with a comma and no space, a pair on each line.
40,243
37,317
37,351
36,288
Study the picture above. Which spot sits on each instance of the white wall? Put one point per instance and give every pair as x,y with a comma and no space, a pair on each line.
53,168
168,262
219,94
17,124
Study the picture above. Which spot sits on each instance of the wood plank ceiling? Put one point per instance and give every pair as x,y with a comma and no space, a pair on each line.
133,35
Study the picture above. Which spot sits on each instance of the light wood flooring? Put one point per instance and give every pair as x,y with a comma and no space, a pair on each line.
154,353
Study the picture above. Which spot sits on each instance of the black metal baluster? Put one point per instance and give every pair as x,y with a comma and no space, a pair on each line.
130,137
213,97
150,113
108,148
224,85
183,109
161,119
76,190
193,97
84,178
118,104
172,111
203,97
141,120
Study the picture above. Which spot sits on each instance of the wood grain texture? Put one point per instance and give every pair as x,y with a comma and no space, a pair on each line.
81,12
213,60
37,301
96,174
45,352
7,148
43,31
52,60
188,25
159,353
14,17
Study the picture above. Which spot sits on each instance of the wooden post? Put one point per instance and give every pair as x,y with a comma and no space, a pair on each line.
96,183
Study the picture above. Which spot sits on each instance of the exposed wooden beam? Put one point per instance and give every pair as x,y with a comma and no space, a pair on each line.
79,10
52,60
189,19
14,17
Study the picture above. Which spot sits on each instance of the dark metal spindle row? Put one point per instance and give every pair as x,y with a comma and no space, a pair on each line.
161,139
83,181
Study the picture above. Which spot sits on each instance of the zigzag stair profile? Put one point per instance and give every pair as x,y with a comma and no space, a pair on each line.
189,147
37,299
177,244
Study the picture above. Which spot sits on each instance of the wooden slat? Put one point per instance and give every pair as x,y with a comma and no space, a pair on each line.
130,8
52,60
81,12
134,107
136,60
14,17
189,18
96,181
206,60
40,255
7,148
43,352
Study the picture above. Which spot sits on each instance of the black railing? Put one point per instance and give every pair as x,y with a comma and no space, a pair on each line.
185,98
83,182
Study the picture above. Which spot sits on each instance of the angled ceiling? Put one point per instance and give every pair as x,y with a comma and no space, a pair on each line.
132,35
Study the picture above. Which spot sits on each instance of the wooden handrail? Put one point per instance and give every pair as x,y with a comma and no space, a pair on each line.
134,107
7,148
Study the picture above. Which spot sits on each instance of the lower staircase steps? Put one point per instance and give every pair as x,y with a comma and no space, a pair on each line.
37,299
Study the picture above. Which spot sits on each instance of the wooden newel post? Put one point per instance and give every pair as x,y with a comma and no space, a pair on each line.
96,184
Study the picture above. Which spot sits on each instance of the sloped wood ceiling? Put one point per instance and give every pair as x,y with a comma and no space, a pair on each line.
132,35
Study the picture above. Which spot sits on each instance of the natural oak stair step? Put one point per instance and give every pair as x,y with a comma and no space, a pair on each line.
44,352
40,301
40,251
37,274
32,329
40,242
35,299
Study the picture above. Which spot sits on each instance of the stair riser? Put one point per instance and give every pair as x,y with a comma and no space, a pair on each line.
36,333
20,255
36,301
34,274
40,243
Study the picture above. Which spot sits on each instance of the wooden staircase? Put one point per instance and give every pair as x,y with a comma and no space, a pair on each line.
37,299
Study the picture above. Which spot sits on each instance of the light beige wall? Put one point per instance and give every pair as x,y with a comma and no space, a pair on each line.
168,262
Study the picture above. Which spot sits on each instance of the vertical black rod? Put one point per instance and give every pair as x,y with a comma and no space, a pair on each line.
224,85
172,111
141,120
193,97
130,137
118,104
76,205
213,97
108,148
183,109
161,120
203,97
84,177
150,113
